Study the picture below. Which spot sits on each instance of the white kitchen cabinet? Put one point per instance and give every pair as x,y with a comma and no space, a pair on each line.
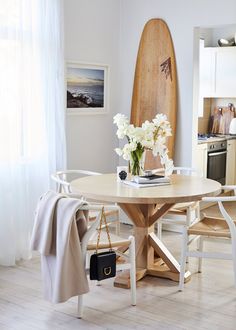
217,72
231,162
225,76
200,158
207,63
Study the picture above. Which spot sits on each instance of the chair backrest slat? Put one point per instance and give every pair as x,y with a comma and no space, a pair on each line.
62,179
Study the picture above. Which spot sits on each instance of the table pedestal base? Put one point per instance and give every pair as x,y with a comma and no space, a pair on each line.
123,279
148,246
165,272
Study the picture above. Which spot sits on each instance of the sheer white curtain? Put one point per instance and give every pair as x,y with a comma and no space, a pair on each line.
32,137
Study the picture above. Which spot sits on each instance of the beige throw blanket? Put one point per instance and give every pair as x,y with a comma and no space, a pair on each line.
59,225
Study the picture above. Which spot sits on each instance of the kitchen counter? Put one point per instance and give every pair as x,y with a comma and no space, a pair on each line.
230,137
218,139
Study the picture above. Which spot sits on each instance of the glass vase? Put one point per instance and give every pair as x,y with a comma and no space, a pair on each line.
137,161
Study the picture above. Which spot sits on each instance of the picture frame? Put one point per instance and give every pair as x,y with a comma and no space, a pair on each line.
86,88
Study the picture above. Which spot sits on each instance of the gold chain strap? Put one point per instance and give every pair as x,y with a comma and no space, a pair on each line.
103,217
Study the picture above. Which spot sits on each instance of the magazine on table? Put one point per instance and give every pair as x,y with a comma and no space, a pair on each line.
148,181
151,179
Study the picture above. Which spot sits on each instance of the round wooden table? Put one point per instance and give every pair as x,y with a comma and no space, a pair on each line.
144,206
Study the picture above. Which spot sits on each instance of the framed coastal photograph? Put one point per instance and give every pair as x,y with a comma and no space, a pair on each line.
86,87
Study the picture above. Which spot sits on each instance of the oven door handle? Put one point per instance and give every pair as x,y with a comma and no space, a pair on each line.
217,153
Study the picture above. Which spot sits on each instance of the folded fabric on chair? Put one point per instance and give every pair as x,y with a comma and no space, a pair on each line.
59,225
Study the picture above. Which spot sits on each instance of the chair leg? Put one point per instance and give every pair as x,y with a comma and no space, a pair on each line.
200,249
183,259
159,228
188,217
118,227
234,258
188,222
118,223
132,270
87,260
80,306
198,214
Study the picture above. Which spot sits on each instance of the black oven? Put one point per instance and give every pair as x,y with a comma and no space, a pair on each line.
216,161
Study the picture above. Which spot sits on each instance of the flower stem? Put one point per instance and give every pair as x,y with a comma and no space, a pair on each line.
136,161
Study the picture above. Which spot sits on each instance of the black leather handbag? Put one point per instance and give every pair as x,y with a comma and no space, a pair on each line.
103,265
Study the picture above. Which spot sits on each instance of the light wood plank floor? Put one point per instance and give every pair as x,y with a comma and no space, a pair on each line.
208,301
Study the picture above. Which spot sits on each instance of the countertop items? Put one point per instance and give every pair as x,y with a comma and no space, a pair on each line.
221,119
232,127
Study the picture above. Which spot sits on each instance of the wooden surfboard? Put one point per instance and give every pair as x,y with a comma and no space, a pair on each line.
155,82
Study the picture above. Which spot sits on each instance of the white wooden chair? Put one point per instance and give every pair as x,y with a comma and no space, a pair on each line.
210,227
63,179
89,241
183,213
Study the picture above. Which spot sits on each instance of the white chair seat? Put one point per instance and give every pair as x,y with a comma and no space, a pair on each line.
181,207
213,227
93,214
210,227
213,211
116,241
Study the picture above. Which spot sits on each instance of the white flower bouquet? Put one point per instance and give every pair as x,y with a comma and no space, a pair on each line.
151,135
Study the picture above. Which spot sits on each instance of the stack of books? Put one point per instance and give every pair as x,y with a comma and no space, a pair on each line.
148,181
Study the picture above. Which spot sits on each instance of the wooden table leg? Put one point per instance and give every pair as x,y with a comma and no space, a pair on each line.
170,268
146,243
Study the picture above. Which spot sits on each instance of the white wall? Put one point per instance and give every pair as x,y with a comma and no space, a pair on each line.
181,16
92,36
98,31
